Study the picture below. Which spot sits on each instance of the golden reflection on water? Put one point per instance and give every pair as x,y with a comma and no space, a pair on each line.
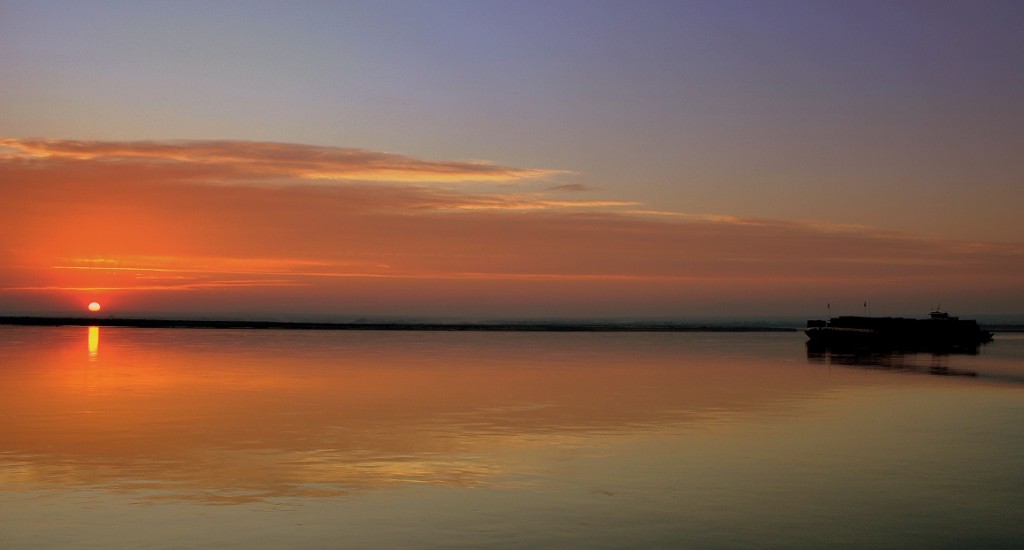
93,341
246,416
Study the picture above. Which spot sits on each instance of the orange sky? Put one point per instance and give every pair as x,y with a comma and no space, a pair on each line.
236,228
511,159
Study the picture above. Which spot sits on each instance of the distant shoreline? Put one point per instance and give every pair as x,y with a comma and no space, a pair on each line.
392,326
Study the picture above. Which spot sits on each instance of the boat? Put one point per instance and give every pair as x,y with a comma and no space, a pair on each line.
940,331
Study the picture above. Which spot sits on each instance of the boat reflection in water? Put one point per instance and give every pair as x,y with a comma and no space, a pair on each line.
921,360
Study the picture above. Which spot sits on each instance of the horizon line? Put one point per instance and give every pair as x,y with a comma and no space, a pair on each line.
408,325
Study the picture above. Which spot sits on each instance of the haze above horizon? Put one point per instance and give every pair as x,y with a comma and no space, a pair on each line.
504,160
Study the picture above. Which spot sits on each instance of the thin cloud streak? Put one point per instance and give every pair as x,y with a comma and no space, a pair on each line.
266,160
225,284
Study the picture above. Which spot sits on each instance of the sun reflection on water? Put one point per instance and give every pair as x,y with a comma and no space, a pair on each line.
94,342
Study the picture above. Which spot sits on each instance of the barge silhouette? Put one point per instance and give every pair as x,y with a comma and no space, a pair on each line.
939,331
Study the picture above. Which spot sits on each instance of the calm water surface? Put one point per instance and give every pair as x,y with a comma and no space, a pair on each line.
138,438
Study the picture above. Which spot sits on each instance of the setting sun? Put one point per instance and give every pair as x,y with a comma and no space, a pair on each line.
94,306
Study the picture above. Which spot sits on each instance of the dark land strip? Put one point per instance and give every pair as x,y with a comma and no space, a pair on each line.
409,326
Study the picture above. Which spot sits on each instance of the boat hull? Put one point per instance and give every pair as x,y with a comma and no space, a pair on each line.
897,333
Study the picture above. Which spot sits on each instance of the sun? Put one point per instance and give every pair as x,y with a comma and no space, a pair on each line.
95,306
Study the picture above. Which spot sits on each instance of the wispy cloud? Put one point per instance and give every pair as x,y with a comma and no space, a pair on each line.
268,160
573,187
523,203
163,287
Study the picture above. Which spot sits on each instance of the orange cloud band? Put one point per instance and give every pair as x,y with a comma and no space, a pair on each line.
144,217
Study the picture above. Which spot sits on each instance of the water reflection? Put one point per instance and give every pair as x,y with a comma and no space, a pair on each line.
242,416
485,439
921,362
93,342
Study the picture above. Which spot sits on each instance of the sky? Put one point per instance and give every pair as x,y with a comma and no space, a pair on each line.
504,160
